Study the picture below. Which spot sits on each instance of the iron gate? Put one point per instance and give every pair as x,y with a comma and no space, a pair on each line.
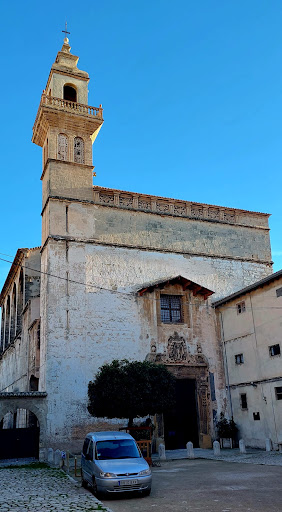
17,443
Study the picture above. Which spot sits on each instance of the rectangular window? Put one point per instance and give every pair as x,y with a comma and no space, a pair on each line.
279,292
278,393
239,359
241,307
274,350
243,399
256,416
171,309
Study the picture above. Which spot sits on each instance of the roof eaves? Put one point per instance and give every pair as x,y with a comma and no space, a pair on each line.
12,272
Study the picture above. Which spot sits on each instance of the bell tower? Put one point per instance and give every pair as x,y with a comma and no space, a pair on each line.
66,127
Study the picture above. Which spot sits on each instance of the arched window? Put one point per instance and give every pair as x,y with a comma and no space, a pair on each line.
69,93
14,313
79,150
3,329
62,147
7,323
20,302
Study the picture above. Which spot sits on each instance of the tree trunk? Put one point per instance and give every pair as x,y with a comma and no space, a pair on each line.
130,422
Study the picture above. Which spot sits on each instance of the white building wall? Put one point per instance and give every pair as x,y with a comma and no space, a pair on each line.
94,317
252,333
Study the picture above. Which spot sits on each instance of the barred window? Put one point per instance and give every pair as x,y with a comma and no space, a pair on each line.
171,309
278,393
241,307
239,359
62,147
79,150
274,350
243,399
279,292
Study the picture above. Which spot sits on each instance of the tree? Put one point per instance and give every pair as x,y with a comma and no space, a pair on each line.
226,428
124,389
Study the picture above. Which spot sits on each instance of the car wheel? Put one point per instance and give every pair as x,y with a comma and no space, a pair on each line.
84,483
147,492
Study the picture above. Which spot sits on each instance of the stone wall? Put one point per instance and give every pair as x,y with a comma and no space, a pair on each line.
156,232
94,315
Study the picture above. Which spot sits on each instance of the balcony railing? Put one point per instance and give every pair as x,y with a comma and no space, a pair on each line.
70,106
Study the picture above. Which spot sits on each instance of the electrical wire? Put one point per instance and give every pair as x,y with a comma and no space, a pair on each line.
130,294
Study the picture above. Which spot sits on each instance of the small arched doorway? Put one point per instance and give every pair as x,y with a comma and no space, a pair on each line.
19,435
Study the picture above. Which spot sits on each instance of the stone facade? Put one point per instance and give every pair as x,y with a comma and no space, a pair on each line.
100,249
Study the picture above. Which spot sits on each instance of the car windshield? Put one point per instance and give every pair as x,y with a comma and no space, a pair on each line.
117,449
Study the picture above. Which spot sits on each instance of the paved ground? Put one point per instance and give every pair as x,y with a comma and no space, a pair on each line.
253,456
251,485
27,489
208,485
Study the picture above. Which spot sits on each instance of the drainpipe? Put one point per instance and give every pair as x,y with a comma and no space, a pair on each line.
226,364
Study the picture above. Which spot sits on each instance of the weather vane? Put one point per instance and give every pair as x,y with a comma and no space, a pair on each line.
65,31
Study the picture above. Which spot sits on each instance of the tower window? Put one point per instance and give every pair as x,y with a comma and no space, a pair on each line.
171,309
79,150
278,393
69,93
62,147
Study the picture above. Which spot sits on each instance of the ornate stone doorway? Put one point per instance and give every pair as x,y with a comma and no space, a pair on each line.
198,411
190,421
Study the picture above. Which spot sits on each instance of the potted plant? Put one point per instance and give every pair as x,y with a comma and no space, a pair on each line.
226,430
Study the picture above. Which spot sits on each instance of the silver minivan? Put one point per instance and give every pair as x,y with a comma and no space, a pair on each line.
111,462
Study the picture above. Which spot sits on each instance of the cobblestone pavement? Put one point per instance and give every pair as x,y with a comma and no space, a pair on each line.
37,489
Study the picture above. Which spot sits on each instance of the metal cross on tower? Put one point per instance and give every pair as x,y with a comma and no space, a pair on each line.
65,31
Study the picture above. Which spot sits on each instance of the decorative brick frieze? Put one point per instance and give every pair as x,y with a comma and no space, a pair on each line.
178,208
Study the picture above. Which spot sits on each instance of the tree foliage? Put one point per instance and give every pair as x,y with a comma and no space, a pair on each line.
226,428
124,389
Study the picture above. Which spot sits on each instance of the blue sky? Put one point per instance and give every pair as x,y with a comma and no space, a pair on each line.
192,97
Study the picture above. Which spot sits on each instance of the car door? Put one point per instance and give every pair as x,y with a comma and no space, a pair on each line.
87,460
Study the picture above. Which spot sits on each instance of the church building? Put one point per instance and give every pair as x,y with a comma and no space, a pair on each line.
119,275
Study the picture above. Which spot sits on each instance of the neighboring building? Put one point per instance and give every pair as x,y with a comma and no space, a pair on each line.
251,330
123,275
20,324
